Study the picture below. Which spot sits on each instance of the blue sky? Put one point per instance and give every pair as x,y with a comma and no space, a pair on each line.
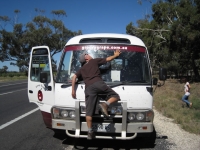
89,16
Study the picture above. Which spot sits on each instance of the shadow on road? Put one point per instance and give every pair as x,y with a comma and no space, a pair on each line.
100,144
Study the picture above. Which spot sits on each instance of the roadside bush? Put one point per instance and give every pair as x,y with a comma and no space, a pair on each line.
11,75
4,75
17,74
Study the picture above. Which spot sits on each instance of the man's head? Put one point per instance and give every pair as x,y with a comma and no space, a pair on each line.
84,57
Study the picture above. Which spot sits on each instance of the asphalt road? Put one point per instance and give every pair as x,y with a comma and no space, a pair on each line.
22,128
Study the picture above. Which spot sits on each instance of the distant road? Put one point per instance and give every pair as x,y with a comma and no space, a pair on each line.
8,87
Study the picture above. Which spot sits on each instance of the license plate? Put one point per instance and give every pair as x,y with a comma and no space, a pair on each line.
101,127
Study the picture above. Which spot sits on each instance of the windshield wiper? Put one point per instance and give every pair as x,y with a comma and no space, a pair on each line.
125,83
66,85
136,81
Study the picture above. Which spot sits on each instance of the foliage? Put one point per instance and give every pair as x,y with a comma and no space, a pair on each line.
4,69
16,45
171,35
12,74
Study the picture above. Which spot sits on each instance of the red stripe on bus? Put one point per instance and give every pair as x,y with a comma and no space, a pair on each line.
105,47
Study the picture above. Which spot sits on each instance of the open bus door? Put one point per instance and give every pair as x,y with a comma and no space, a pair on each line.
41,93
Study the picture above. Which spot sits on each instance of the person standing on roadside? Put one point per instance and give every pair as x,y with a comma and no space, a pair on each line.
94,85
187,94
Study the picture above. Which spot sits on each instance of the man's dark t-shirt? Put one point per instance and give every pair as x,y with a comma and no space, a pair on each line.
90,71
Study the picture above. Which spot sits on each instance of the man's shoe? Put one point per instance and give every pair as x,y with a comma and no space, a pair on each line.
104,109
91,135
190,104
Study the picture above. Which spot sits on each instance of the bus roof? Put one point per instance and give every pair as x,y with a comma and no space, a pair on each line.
133,40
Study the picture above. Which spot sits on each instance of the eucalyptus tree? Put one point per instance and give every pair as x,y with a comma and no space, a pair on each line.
15,45
183,21
4,69
172,34
12,43
154,38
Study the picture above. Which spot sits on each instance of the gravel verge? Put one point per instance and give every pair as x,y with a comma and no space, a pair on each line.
181,139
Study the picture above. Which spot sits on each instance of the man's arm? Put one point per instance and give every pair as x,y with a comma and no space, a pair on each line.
116,54
73,86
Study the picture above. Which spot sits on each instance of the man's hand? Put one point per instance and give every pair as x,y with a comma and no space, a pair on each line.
73,86
74,94
117,53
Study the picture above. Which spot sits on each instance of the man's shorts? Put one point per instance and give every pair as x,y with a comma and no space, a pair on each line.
91,93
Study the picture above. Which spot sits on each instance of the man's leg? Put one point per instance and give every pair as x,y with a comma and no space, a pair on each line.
104,106
89,122
114,97
90,107
91,134
112,100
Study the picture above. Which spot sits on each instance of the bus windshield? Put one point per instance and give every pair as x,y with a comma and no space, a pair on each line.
131,67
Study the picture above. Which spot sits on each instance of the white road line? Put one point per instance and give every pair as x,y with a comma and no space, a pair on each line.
12,92
18,118
13,84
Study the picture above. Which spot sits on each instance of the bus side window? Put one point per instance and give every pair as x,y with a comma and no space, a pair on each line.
39,64
35,72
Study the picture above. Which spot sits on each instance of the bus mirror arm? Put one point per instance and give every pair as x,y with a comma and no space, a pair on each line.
161,84
44,80
155,82
158,84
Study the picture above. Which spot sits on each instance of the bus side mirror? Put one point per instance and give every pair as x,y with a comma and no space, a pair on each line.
162,74
43,77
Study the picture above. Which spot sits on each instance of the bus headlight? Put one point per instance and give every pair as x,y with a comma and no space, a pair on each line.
72,114
64,113
116,110
144,116
140,116
131,116
83,109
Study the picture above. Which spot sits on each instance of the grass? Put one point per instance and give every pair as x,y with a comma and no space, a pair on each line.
13,78
167,100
